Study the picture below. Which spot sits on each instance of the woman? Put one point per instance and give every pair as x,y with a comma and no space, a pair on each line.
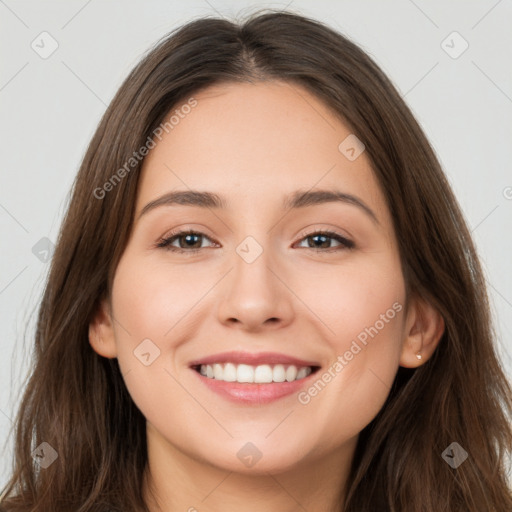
264,297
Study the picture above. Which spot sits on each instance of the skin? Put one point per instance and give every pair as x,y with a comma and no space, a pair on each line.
253,144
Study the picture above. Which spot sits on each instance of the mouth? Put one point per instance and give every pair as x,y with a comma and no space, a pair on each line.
248,374
248,378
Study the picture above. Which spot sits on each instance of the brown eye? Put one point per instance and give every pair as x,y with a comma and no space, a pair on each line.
323,240
188,241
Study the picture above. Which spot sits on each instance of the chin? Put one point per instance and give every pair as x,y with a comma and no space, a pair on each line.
258,457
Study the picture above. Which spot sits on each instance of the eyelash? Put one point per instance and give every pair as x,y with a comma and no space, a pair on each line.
164,243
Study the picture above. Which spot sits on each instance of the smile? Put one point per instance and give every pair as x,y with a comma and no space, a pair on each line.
261,374
254,378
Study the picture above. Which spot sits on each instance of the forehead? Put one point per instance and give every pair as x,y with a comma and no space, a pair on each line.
263,139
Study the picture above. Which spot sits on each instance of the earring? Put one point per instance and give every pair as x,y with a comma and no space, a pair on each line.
418,356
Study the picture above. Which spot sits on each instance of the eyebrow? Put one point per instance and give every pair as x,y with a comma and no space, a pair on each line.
298,199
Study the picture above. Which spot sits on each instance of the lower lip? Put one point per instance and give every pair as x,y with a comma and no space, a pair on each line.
254,393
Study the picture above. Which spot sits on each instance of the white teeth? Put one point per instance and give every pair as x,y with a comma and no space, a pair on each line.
278,373
302,373
218,371
229,372
244,373
261,374
291,373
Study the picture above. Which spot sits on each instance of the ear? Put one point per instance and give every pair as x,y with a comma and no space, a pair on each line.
101,331
424,327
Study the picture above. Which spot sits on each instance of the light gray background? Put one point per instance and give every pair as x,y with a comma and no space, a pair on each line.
51,107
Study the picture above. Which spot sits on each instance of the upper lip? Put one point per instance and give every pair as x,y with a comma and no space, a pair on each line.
253,358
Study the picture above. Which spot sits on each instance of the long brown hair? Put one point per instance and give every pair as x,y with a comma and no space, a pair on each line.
77,402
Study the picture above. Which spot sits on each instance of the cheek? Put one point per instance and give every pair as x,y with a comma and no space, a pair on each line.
150,306
152,300
363,309
357,301
147,304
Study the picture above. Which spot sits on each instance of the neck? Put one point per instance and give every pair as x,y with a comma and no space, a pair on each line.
176,482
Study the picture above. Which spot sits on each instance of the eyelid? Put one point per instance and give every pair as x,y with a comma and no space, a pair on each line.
164,241
333,233
314,229
345,243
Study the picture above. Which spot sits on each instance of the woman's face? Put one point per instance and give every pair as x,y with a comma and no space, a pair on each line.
258,290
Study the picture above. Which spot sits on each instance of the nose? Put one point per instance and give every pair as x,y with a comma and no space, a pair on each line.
254,295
